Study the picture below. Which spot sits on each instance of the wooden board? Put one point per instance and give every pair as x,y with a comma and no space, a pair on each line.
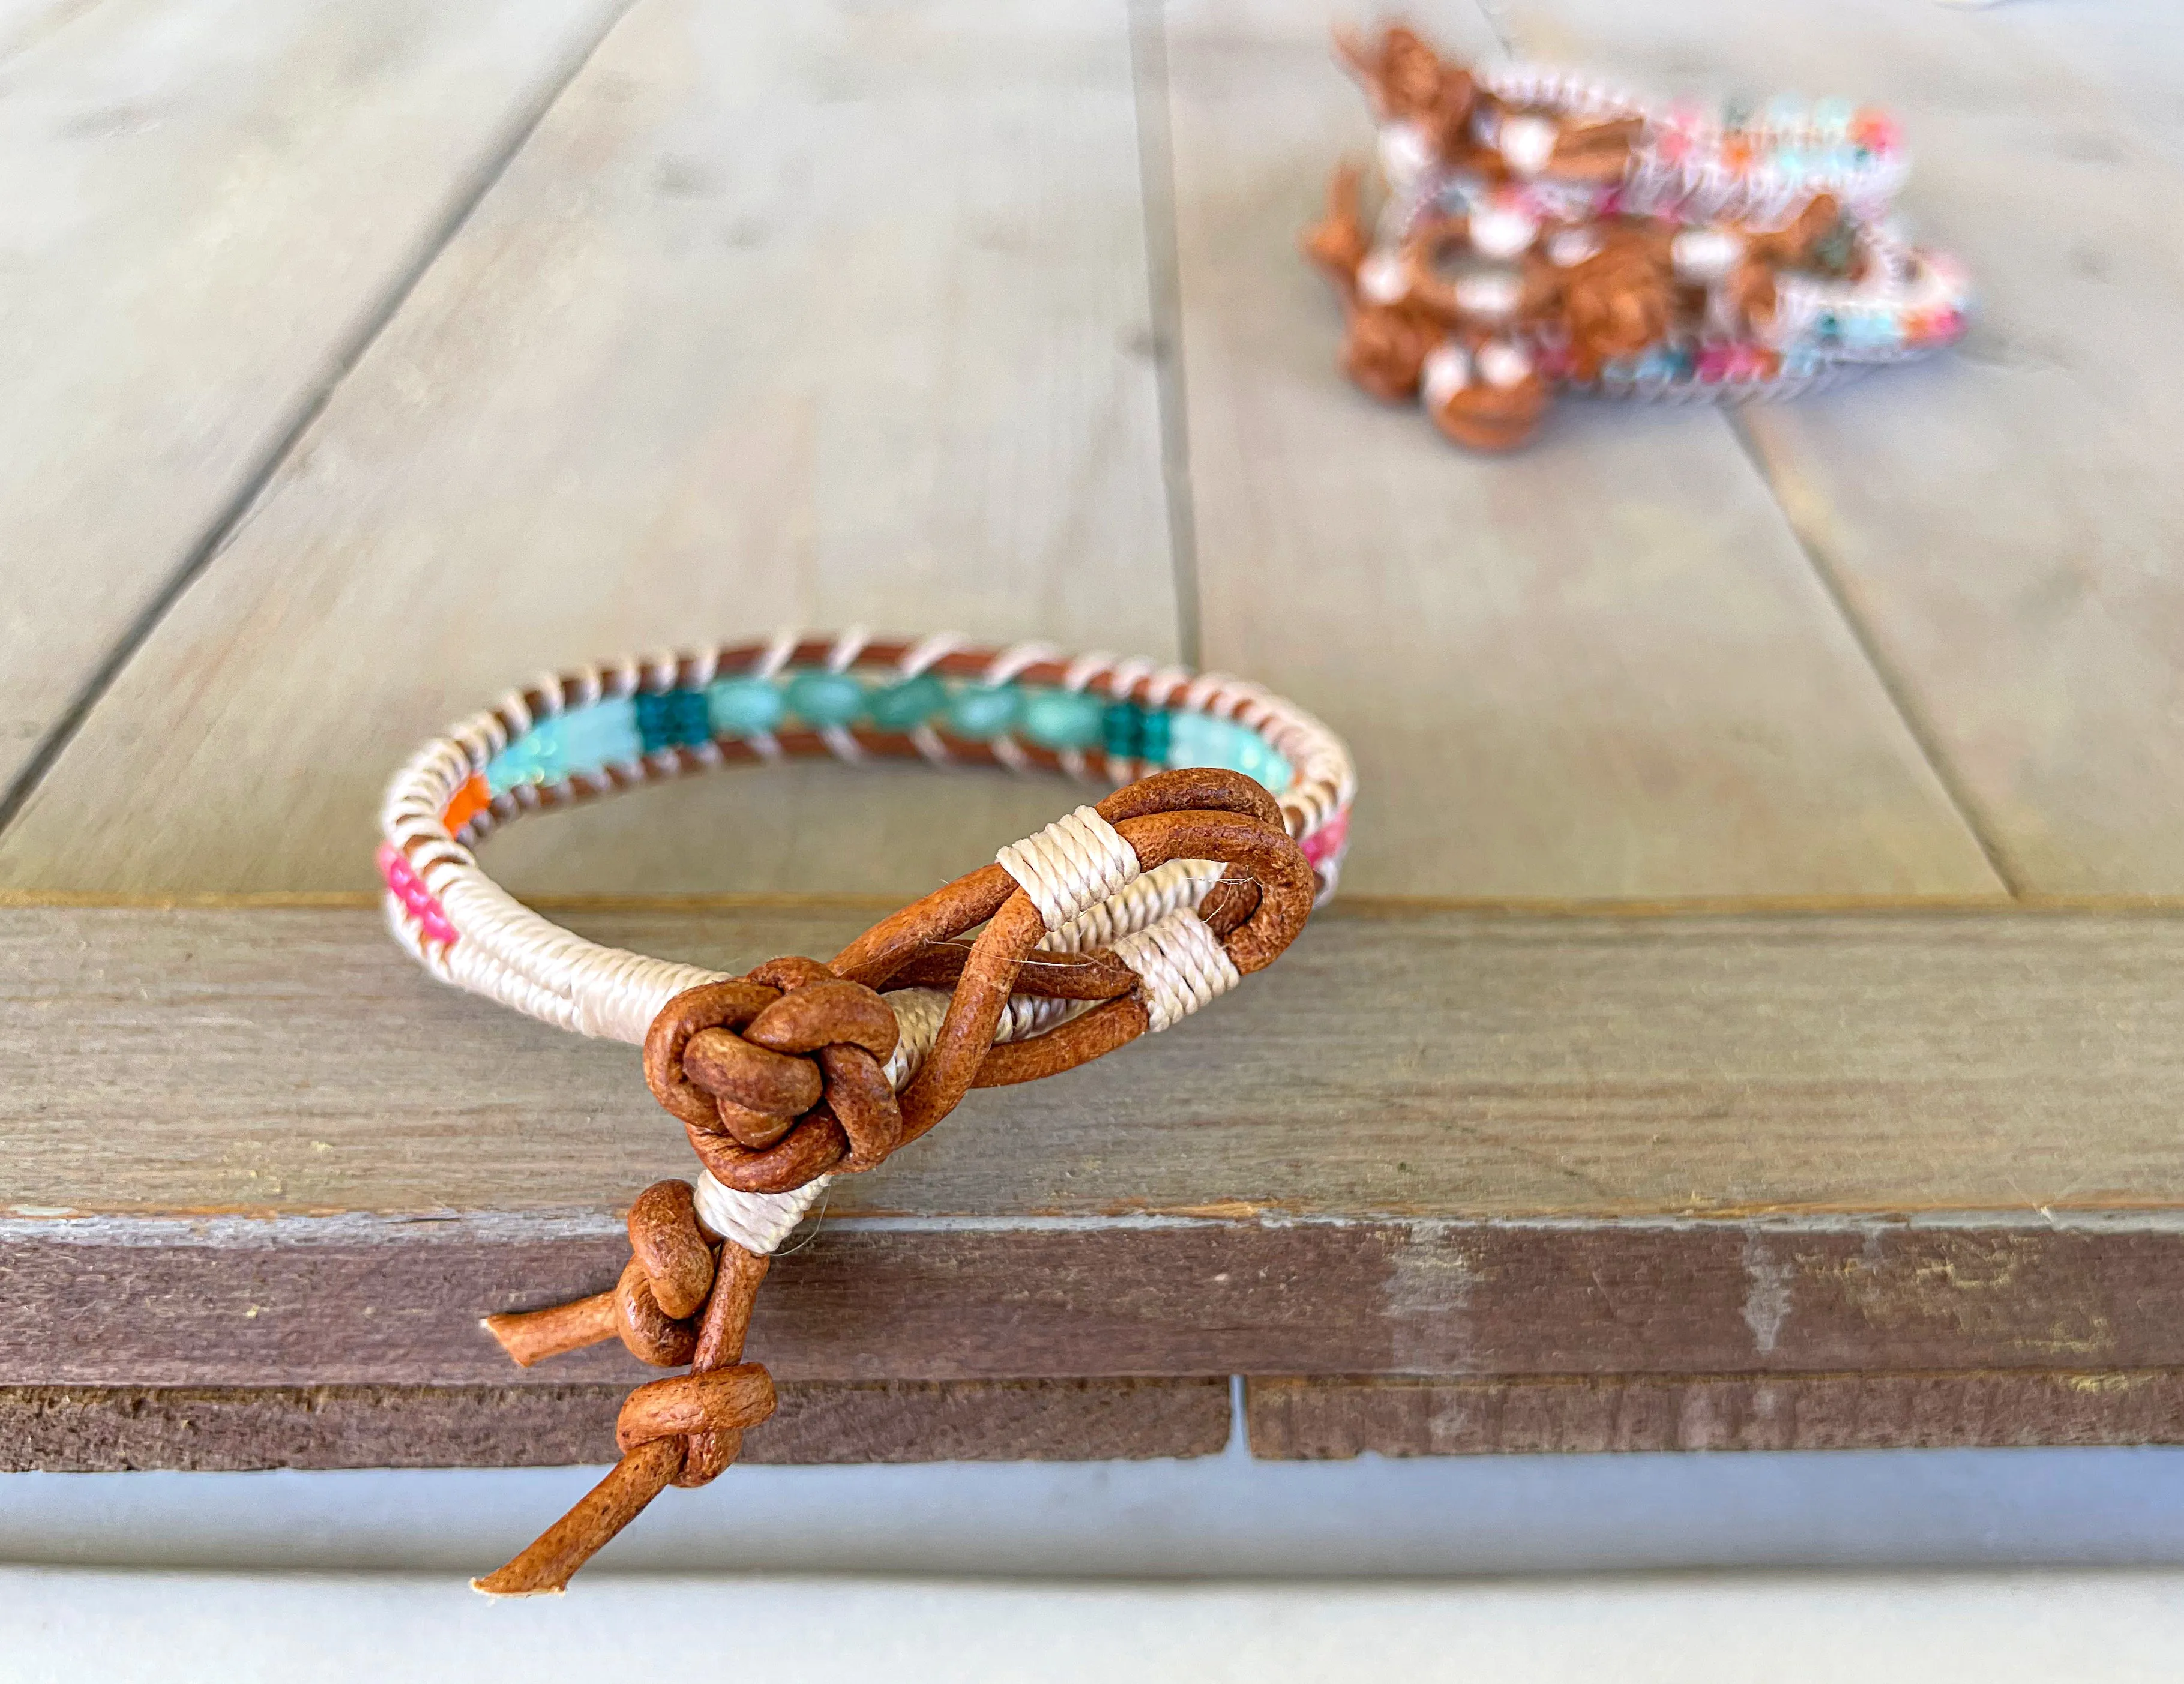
2003,520
1602,667
1459,1144
107,1429
210,205
794,315
1992,1409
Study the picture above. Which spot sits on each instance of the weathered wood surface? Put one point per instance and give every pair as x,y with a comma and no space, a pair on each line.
140,1300
791,314
1490,1145
1436,1064
1992,1409
107,1429
832,315
2002,520
1600,668
210,202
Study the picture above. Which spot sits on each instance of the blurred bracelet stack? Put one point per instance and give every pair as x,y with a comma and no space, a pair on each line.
1539,231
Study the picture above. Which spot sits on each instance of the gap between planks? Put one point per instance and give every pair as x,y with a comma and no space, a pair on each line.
1797,515
255,482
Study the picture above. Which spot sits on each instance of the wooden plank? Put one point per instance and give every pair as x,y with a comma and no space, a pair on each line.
1445,1064
99,1429
1456,1144
375,1300
1600,668
210,202
2001,521
1322,1419
793,313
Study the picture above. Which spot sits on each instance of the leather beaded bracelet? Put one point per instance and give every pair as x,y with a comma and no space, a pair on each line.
1116,921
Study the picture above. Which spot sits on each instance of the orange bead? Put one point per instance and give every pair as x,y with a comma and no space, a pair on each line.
468,803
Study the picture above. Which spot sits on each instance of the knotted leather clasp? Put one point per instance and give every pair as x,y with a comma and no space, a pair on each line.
779,1075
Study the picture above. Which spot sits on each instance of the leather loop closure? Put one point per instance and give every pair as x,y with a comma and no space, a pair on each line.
781,1075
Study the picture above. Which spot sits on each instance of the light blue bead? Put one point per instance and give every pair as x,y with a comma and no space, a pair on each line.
977,711
1063,719
1832,117
1200,739
906,705
535,758
1194,739
826,698
1874,330
743,707
603,734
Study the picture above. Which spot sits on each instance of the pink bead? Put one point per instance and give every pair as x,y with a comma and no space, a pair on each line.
407,886
1327,842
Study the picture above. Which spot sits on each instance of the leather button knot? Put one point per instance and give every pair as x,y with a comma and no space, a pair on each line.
779,1075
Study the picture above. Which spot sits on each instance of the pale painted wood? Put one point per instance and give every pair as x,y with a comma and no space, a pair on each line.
1601,667
24,22
810,314
1437,1065
2005,520
207,201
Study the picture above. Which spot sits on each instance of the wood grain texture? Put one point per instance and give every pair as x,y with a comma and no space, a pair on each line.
2002,520
1433,1065
298,1301
1454,1144
1600,667
1324,1418
99,1429
208,200
797,314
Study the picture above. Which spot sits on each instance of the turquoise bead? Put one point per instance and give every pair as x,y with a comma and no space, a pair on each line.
602,734
1063,719
535,758
1193,739
906,705
977,711
826,698
743,707
1198,739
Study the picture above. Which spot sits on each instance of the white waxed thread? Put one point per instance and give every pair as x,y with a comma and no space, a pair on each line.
1181,964
1074,863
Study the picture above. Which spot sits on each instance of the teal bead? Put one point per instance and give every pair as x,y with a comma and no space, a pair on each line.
1122,730
743,707
906,705
825,698
1152,735
1063,719
977,711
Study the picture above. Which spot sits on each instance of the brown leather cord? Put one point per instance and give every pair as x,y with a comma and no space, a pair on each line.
532,1335
779,1077
686,1430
